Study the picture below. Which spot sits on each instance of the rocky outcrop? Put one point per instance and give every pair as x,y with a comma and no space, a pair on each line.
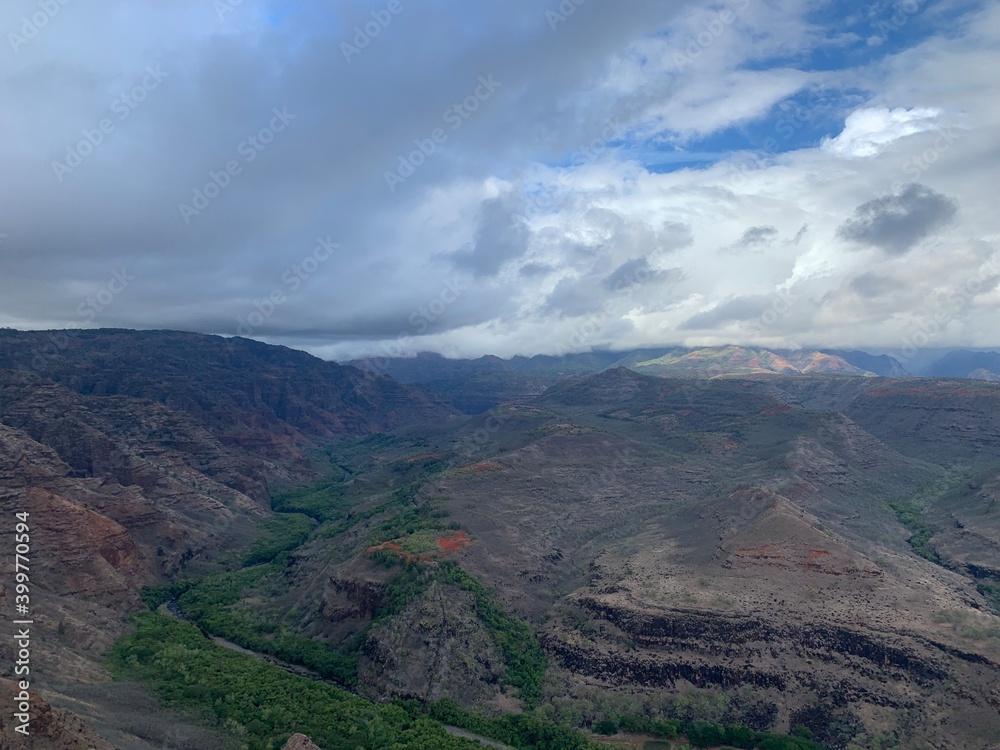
299,742
435,647
50,728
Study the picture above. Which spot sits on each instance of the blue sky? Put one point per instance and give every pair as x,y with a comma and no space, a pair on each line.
505,177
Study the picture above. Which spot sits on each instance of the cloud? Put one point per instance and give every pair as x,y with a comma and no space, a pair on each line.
714,139
869,130
632,272
499,238
756,238
897,222
872,285
734,310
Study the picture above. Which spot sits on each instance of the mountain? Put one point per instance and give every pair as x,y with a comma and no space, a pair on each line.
141,456
427,366
781,548
737,360
473,386
961,363
269,399
882,364
765,540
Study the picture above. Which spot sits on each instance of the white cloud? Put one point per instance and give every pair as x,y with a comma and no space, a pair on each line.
869,130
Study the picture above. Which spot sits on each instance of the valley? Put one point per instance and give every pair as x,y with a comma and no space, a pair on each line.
741,559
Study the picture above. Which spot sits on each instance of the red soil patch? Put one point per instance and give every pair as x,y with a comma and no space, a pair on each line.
408,557
814,553
454,543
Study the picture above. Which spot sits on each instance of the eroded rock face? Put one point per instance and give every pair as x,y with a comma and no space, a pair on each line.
265,400
436,647
50,728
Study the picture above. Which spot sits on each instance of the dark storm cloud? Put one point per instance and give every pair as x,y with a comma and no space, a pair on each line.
632,272
321,174
634,282
896,223
631,237
498,238
737,309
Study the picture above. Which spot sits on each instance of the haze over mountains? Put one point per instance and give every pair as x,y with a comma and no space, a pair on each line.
771,546
474,385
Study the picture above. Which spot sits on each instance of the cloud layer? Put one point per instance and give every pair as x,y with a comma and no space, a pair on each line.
506,178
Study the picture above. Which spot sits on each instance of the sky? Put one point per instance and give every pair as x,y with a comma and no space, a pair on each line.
505,176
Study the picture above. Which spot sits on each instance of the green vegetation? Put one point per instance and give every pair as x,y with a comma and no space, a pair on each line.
606,727
665,728
321,501
409,519
527,730
222,605
421,542
258,704
154,596
523,656
283,533
406,586
992,593
213,603
911,515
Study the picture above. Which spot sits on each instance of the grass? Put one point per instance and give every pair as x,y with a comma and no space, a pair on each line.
960,624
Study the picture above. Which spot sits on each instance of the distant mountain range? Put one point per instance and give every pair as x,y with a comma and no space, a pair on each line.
475,385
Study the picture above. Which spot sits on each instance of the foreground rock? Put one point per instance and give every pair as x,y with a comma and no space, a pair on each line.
299,742
50,728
